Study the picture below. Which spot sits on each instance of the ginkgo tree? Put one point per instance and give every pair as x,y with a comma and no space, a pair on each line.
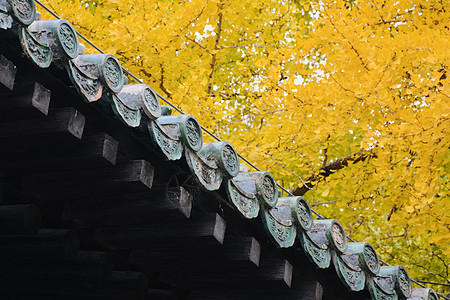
345,102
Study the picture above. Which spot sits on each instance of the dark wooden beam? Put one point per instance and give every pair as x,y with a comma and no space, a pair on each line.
132,208
47,243
234,253
132,176
61,125
271,274
19,219
121,285
95,150
207,229
87,265
29,100
7,73
158,294
2,193
308,290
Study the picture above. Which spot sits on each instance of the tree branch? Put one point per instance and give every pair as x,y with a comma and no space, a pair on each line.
322,203
161,84
284,167
364,64
325,151
161,81
330,168
216,47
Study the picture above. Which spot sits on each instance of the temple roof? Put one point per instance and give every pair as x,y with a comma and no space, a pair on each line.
123,200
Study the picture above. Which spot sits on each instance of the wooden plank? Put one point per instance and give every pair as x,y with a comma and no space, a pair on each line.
64,124
271,274
2,193
234,253
29,100
158,294
121,285
47,243
87,265
133,208
19,219
7,73
207,229
95,150
307,290
132,176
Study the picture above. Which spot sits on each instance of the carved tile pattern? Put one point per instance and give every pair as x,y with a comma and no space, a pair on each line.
353,276
150,100
320,256
304,214
210,159
230,159
432,296
88,68
40,54
209,177
404,282
23,8
268,188
282,232
192,133
5,21
171,148
129,116
371,259
112,73
89,87
68,39
338,236
378,294
248,207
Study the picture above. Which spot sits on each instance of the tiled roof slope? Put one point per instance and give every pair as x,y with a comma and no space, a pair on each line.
53,47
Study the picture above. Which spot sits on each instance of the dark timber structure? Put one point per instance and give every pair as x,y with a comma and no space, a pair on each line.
106,195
